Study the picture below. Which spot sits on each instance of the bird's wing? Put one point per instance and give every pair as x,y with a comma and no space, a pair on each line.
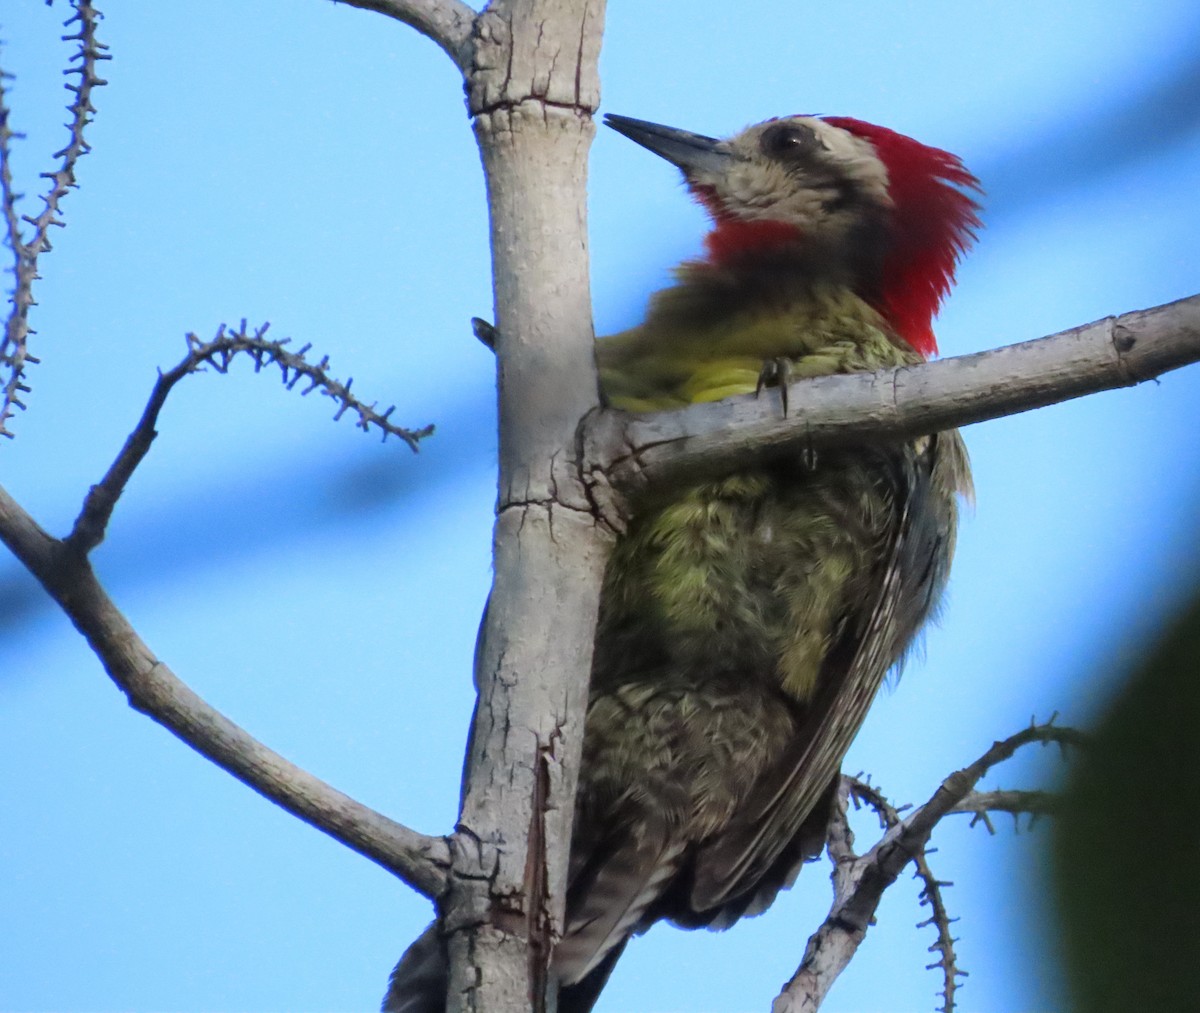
740,860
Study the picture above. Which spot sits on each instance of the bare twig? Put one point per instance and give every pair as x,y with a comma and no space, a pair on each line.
14,354
153,689
931,892
1034,804
447,22
629,452
859,882
219,353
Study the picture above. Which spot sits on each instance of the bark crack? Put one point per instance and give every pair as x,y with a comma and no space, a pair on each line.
511,105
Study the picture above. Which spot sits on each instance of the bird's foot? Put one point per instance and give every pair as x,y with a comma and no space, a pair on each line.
776,372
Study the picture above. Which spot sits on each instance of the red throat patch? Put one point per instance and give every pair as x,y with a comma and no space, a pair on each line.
732,238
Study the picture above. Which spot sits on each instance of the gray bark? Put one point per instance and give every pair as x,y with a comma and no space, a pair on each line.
532,91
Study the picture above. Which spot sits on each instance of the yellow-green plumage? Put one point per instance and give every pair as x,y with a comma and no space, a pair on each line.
684,354
733,612
690,562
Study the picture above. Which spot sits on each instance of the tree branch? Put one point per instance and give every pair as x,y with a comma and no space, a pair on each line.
980,804
630,452
152,688
449,23
14,355
931,888
859,882
102,498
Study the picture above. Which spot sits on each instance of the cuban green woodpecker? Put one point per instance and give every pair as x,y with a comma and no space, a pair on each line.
747,622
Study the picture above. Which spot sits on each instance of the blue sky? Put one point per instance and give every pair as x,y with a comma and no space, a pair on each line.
311,165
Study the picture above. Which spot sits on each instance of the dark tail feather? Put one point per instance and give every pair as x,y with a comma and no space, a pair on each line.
419,982
582,996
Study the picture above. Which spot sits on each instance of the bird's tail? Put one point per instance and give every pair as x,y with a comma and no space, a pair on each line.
581,996
419,981
609,896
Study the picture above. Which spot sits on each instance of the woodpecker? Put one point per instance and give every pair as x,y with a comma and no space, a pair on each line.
747,622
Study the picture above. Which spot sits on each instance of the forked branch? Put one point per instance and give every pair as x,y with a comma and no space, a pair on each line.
860,881
932,895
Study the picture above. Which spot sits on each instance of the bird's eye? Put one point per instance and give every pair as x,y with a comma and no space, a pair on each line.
789,140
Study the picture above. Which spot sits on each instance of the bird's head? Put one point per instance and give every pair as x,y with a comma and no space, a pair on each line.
864,204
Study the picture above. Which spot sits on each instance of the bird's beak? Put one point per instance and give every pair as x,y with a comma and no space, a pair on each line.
693,153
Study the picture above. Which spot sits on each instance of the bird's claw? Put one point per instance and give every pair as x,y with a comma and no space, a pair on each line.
778,372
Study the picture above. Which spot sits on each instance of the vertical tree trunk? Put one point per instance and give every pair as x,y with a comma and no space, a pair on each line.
532,91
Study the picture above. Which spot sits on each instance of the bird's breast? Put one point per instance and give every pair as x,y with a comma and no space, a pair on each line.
748,577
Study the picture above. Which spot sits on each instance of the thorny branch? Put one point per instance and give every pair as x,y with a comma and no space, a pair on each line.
861,791
225,345
860,881
219,353
14,354
1034,804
